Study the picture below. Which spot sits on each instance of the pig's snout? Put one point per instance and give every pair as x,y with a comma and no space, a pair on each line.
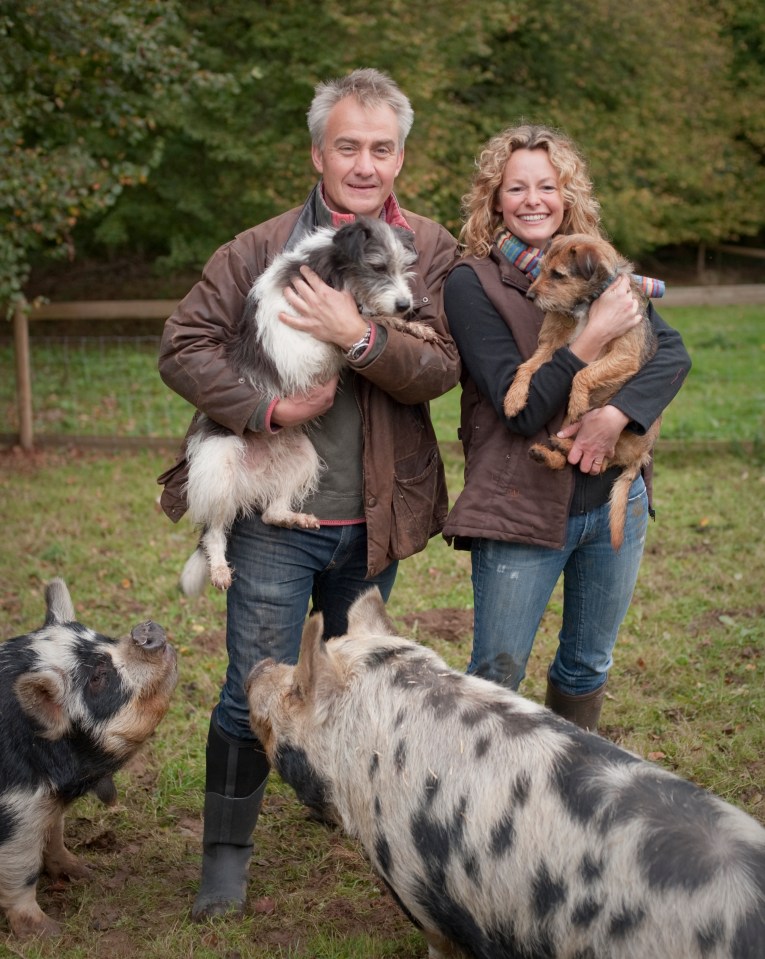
149,635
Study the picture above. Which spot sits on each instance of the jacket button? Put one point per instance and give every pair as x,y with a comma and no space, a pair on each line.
241,379
372,501
425,299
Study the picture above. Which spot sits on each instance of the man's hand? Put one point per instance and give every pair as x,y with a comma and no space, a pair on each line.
595,437
327,314
296,410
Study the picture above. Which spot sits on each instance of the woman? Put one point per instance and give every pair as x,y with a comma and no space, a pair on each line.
526,524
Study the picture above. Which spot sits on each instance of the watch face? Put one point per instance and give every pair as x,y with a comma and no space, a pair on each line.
358,349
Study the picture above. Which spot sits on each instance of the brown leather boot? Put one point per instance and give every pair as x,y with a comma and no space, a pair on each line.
583,710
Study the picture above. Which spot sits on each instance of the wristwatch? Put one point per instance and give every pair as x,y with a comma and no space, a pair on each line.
358,349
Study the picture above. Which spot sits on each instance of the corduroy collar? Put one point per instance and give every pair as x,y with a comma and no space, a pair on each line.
391,212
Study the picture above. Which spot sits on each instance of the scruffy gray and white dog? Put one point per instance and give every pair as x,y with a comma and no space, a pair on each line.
504,831
232,475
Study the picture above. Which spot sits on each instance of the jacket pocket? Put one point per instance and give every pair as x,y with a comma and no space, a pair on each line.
173,497
415,484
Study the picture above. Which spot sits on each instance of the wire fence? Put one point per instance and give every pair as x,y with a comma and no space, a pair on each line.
98,386
92,381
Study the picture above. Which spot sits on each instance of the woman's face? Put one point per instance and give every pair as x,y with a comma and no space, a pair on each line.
529,197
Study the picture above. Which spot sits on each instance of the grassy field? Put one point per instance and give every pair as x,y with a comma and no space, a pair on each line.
100,385
687,688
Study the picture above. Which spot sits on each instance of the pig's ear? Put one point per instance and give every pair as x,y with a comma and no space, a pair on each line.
368,616
317,675
59,603
42,696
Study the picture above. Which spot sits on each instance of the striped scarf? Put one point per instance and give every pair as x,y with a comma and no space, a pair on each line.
528,260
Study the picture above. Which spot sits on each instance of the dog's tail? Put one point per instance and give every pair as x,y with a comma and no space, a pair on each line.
618,502
195,575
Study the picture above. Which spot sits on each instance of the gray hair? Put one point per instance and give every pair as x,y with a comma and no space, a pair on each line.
370,88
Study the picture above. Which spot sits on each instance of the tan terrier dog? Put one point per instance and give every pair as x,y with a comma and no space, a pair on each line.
575,270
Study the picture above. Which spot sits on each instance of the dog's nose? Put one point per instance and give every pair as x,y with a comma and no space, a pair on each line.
403,306
531,295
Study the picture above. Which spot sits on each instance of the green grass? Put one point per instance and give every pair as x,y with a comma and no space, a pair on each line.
109,385
724,397
95,386
687,687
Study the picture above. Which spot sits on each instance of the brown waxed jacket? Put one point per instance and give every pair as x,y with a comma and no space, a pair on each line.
405,496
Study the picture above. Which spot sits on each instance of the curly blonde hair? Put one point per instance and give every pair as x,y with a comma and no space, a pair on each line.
581,209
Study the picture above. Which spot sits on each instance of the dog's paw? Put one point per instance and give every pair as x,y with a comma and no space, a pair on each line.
517,395
424,332
552,459
274,516
513,404
220,577
577,407
421,330
306,521
562,444
538,453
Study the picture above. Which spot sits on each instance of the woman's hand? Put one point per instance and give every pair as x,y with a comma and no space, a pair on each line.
595,437
616,311
327,314
295,410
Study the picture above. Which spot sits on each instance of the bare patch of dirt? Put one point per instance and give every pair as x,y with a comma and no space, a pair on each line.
449,624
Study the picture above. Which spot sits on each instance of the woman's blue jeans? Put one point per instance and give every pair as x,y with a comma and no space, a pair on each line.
277,573
513,582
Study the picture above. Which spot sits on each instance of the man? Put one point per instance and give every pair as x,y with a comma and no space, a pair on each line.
382,494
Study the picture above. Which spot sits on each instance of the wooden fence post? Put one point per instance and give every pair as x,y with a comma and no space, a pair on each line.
23,375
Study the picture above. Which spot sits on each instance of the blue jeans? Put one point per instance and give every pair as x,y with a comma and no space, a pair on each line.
277,572
513,582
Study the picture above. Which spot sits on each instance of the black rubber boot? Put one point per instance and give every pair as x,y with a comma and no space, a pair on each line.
583,710
236,774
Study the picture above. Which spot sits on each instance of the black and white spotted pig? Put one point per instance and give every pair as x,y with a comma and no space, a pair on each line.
74,707
502,830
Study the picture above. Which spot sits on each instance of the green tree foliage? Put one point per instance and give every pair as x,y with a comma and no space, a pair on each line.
655,97
242,157
201,108
238,154
83,86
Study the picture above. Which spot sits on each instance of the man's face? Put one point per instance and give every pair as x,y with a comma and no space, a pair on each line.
360,159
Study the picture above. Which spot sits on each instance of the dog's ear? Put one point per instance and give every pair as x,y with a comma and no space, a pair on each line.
407,239
589,262
349,241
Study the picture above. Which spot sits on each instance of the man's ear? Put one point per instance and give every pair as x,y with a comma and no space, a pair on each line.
317,158
400,162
